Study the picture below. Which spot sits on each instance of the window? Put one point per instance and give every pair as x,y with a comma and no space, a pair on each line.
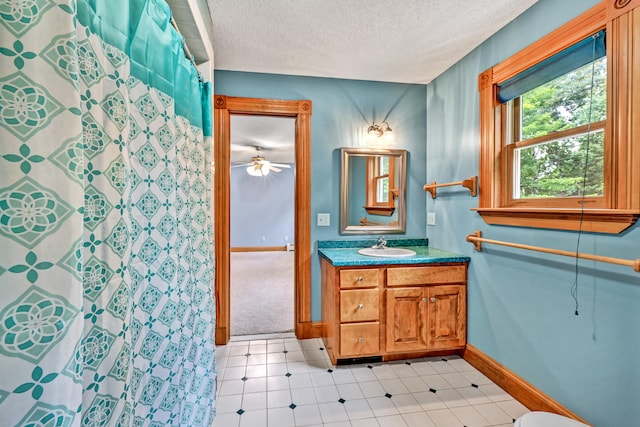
380,185
551,156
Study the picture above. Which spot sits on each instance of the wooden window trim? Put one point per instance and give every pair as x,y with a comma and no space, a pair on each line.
373,207
621,207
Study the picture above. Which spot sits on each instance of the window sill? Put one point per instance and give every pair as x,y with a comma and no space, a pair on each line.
380,210
609,221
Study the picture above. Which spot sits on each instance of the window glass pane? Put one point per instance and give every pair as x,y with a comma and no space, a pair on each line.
556,168
564,103
382,190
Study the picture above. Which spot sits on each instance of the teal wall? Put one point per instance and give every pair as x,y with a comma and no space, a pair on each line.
521,312
342,111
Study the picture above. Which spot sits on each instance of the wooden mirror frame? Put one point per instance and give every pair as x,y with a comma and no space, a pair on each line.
224,107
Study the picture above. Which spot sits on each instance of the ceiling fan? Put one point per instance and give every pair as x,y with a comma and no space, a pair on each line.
259,166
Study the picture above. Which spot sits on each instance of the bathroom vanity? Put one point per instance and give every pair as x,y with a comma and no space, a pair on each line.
379,308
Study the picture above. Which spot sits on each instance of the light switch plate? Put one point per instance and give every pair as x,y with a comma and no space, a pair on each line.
431,218
324,220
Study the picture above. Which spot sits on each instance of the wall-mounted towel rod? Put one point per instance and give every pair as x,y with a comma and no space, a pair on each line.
477,240
470,183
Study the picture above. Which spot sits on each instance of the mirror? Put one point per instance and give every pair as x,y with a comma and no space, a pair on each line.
373,191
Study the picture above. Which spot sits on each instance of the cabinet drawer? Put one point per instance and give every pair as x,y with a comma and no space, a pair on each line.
426,275
360,339
359,305
362,278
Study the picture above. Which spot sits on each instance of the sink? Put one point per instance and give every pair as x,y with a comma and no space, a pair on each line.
387,252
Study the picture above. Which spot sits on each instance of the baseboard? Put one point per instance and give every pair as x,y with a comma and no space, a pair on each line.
259,248
516,386
306,330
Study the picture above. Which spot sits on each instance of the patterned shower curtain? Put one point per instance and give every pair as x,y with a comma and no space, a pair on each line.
106,246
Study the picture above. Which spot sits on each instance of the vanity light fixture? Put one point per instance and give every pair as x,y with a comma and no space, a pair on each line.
380,134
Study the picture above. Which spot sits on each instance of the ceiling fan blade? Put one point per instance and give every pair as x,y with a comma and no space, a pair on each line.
238,165
281,165
271,167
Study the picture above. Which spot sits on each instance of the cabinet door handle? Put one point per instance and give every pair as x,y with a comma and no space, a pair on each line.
360,306
424,299
433,299
360,340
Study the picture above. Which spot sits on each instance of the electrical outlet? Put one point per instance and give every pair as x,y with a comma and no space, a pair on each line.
324,220
431,218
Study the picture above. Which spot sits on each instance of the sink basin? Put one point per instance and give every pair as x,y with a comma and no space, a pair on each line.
387,252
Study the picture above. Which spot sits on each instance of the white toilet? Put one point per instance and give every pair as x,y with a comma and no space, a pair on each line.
546,419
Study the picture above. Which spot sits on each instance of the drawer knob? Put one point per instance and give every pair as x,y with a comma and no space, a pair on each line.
360,306
360,279
433,299
360,340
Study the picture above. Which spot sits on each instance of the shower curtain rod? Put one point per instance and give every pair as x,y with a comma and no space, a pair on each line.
477,240
185,48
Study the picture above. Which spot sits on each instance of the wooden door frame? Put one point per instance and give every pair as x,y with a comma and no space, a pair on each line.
224,107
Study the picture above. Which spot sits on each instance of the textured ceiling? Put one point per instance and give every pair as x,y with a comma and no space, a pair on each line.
406,41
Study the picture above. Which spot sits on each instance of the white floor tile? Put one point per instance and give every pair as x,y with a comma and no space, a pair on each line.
293,383
279,398
254,401
382,406
343,376
228,404
452,398
332,412
358,409
415,384
406,403
423,368
444,418
234,373
319,379
494,414
513,408
254,418
277,383
366,422
300,380
255,371
280,417
394,386
436,382
305,415
392,421
226,420
350,391
470,417
418,419
304,396
257,359
255,385
372,389
231,387
327,393
361,373
277,369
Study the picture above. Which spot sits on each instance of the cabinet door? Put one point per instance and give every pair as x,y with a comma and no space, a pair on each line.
447,317
406,320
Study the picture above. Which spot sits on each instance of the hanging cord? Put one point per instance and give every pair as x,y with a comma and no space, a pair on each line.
574,287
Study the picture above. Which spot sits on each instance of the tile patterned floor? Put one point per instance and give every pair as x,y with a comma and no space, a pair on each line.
281,382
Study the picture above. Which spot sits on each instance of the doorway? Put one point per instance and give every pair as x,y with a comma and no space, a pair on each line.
224,107
262,225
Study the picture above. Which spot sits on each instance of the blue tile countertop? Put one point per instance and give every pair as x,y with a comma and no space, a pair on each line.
344,253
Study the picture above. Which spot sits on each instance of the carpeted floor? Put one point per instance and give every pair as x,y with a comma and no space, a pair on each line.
261,292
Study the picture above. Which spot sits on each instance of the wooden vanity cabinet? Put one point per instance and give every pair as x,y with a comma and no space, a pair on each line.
393,311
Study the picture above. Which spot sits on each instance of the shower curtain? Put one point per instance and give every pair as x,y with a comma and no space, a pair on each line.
106,245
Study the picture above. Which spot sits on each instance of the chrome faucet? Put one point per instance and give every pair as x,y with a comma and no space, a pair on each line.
381,244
